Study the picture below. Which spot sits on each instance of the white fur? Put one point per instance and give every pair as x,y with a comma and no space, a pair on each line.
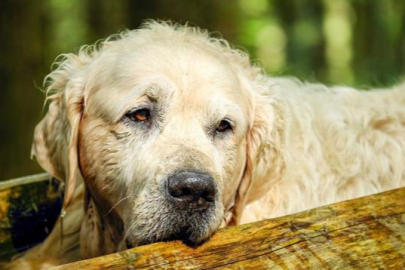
339,144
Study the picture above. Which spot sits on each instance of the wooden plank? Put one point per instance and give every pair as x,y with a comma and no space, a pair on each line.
29,207
364,233
30,179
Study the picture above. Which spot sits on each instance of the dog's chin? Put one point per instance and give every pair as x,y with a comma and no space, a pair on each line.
183,235
195,231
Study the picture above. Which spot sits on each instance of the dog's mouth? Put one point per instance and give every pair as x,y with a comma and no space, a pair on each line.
189,210
184,235
193,229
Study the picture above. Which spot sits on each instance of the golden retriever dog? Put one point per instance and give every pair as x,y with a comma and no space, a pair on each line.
166,133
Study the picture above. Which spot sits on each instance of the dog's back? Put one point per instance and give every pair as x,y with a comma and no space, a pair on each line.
340,143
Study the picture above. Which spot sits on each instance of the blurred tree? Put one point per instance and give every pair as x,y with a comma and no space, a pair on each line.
379,44
302,21
22,48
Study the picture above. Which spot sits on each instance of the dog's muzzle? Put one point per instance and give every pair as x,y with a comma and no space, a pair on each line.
191,190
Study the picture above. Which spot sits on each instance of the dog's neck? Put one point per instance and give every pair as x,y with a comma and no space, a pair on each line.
100,233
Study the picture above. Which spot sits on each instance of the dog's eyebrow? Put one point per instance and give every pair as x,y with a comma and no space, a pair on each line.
129,101
153,92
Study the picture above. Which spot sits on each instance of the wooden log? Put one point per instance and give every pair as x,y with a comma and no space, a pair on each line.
365,233
29,207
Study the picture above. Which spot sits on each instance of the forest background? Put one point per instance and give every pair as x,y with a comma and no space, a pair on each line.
358,43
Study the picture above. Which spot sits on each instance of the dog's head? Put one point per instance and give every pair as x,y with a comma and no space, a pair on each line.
163,125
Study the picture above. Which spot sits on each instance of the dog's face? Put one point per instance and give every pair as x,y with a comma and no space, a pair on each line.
164,130
163,126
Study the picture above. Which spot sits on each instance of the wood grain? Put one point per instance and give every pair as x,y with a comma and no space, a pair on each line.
365,233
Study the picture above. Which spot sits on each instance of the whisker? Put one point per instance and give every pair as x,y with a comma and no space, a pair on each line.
129,230
109,211
123,241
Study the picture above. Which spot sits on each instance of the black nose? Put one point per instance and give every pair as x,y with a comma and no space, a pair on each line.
192,190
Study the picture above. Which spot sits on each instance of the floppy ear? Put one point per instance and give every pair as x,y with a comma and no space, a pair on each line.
56,136
263,148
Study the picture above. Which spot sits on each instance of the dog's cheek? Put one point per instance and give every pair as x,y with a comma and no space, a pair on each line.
149,219
99,153
233,161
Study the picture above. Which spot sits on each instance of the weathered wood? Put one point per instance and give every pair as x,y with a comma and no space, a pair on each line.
365,233
30,179
29,207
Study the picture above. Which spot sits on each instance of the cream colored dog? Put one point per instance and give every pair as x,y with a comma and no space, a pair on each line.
175,133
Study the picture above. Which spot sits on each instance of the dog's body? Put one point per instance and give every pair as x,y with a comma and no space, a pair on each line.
166,104
340,143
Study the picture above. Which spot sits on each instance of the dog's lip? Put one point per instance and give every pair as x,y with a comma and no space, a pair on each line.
184,235
182,228
128,244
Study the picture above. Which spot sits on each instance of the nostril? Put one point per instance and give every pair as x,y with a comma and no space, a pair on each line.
185,192
206,195
178,192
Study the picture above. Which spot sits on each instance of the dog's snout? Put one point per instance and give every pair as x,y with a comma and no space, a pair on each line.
192,190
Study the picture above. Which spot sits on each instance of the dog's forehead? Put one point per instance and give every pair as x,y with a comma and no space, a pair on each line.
186,65
186,73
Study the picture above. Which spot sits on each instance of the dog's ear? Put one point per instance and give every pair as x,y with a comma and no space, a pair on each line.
55,143
263,143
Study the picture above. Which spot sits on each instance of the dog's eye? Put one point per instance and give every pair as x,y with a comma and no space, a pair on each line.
224,126
141,115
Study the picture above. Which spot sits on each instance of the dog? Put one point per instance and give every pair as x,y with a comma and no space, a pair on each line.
166,133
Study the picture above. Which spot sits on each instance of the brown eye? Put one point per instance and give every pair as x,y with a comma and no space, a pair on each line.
224,126
141,115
